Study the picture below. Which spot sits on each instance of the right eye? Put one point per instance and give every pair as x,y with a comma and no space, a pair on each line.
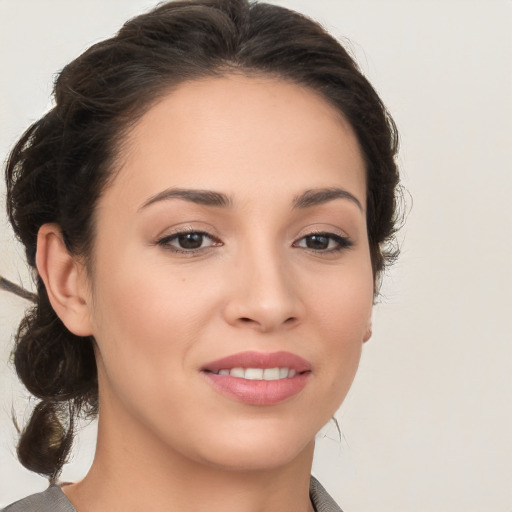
188,241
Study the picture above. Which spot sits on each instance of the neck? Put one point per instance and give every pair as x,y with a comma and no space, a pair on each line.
136,472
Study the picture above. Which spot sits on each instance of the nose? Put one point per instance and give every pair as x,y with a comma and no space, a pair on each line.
263,294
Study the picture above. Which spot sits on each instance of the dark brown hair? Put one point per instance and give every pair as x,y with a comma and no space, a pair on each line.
60,166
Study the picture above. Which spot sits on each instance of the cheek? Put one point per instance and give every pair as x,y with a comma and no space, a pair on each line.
342,314
136,326
342,301
148,320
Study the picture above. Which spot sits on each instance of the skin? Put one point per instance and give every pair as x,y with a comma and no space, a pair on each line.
165,434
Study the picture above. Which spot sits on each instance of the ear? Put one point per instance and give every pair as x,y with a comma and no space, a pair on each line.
368,333
65,280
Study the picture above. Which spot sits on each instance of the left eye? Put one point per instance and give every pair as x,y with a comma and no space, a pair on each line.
188,241
324,242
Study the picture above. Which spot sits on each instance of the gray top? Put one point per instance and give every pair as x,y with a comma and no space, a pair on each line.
54,500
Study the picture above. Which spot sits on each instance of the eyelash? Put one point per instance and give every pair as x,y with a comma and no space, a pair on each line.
343,242
166,242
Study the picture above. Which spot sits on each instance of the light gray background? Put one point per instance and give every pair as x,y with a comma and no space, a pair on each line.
427,425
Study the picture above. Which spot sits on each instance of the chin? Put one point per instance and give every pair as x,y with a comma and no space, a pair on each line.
261,450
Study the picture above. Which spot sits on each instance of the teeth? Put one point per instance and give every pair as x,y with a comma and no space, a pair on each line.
253,374
271,374
237,372
259,373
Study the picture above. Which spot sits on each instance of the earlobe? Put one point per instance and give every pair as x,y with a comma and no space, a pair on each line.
368,333
62,275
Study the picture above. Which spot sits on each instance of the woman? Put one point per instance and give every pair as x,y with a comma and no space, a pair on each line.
208,207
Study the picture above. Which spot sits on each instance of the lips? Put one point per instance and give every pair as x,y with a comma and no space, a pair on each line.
258,378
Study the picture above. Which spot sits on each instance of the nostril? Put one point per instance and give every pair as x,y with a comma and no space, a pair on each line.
247,320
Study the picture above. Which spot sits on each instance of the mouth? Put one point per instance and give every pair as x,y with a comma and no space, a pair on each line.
258,378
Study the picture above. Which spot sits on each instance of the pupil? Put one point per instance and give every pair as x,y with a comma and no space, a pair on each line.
317,242
191,240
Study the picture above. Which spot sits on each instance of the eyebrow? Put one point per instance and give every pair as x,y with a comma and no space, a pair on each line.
308,199
318,196
203,197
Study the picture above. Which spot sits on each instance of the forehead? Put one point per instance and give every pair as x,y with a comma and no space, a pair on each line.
242,135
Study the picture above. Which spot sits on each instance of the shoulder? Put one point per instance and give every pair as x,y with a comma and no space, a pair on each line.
51,500
322,501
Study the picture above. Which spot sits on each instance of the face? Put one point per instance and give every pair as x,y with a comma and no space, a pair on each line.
232,286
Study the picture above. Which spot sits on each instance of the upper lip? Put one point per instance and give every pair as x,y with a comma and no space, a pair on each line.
253,359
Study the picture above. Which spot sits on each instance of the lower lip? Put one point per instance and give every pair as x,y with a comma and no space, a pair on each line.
258,392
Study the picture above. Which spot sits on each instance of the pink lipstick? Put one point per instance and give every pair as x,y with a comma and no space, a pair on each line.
258,378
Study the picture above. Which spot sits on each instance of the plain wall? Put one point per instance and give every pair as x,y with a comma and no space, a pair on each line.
427,425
